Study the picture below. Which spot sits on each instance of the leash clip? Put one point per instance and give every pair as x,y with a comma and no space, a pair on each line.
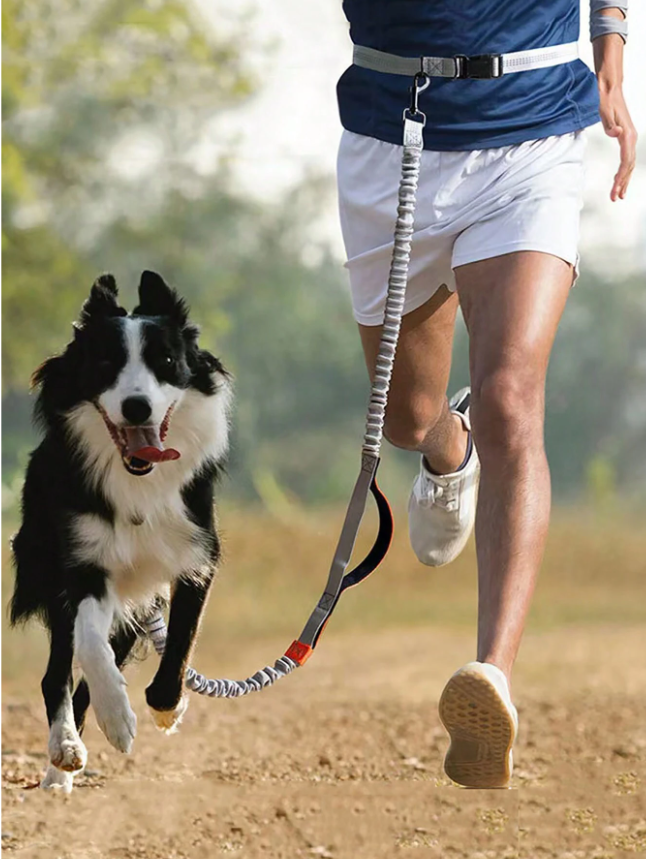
420,82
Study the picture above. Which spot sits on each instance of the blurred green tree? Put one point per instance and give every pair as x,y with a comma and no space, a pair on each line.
596,388
84,84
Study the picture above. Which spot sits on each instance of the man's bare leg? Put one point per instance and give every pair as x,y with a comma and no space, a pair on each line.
512,305
418,416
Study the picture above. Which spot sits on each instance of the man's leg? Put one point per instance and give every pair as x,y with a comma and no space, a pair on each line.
442,504
512,305
418,416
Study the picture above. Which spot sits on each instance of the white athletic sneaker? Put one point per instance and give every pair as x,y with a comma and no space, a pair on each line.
442,508
476,710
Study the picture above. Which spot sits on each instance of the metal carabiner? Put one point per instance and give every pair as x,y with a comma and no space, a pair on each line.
416,89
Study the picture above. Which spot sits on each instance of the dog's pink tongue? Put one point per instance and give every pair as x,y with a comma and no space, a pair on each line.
145,443
154,454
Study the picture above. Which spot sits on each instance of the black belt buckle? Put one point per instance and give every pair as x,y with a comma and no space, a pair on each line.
480,67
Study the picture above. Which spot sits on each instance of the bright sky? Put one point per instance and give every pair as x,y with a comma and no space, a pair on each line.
297,114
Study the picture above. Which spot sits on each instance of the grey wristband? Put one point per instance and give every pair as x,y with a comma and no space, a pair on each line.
603,25
597,5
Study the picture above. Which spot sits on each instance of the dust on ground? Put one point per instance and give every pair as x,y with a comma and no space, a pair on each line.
343,758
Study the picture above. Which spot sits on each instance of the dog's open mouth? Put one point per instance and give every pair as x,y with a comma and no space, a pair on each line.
141,447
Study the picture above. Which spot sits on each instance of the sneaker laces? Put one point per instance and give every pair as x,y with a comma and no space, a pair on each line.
435,493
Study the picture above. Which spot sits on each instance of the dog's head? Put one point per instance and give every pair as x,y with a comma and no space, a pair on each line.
135,370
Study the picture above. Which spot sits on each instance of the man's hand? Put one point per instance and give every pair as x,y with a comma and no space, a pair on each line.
609,64
617,123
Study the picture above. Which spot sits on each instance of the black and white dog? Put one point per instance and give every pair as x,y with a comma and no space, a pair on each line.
118,509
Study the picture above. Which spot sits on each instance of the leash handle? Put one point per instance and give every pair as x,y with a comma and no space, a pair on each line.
414,121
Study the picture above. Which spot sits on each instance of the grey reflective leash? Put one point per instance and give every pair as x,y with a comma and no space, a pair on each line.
339,580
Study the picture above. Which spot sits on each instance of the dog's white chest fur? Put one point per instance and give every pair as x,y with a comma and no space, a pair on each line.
142,558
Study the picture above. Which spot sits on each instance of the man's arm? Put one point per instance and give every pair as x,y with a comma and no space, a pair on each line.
608,50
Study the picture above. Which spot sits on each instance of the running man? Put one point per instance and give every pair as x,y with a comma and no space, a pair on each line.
496,230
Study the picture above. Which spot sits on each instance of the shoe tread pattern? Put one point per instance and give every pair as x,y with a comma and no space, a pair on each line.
482,732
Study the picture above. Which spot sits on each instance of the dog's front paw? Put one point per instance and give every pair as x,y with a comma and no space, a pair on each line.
168,720
115,717
56,779
66,749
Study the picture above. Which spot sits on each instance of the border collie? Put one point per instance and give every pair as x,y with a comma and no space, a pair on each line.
118,510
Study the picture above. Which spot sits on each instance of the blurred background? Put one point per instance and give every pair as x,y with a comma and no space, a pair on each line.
198,138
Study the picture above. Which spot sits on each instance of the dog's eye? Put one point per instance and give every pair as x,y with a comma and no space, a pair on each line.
169,360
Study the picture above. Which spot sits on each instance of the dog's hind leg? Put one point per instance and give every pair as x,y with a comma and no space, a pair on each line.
107,686
164,695
66,750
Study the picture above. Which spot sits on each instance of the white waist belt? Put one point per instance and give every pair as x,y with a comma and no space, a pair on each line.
481,67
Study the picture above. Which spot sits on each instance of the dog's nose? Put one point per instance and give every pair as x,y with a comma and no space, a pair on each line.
136,410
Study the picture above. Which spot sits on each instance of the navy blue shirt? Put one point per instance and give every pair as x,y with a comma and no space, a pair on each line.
468,114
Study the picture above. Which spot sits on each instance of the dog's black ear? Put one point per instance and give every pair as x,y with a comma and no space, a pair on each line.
206,370
102,301
107,282
156,298
190,334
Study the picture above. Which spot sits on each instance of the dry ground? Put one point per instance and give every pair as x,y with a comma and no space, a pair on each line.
343,759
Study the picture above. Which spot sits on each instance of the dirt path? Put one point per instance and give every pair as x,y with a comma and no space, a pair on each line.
344,760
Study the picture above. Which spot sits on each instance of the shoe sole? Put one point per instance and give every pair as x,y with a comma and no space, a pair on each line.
482,732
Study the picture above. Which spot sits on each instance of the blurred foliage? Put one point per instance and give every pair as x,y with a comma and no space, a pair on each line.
107,111
596,389
81,81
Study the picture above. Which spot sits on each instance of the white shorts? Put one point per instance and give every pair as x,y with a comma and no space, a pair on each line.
470,206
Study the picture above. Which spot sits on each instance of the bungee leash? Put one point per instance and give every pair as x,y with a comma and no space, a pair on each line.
339,580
